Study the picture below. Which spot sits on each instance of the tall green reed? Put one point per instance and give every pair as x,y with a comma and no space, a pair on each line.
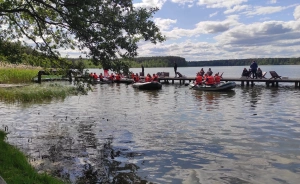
17,75
36,93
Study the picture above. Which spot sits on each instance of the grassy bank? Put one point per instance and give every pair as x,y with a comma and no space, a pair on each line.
36,93
17,75
14,167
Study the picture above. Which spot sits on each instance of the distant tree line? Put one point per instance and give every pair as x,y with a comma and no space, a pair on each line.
160,61
245,62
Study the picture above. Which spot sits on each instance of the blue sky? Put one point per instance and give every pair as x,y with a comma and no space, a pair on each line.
225,29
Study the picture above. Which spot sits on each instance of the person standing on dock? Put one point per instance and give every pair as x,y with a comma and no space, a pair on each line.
175,68
254,67
142,70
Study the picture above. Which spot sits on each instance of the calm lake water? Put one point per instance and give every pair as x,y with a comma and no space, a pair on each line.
174,135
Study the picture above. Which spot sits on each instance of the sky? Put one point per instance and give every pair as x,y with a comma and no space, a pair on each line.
202,30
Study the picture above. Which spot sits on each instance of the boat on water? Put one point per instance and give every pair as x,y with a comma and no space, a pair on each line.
107,81
222,86
147,85
124,80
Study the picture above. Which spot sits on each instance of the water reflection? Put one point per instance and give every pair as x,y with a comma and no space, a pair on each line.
175,135
209,100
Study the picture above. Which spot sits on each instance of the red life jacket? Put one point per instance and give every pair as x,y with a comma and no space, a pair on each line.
199,79
210,80
118,77
95,76
217,79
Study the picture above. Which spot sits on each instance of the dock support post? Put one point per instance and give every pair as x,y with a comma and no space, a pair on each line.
276,84
172,81
247,83
70,75
296,84
242,83
267,84
252,83
272,84
40,73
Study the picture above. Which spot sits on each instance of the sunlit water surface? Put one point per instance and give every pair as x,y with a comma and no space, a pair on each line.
174,135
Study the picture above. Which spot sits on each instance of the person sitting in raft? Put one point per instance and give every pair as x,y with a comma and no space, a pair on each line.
155,78
118,77
111,77
209,72
101,77
91,75
201,72
217,78
259,73
136,78
95,76
245,73
148,78
198,79
210,80
132,75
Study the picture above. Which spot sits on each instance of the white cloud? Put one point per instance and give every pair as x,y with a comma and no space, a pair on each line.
220,3
236,8
264,33
213,14
204,27
182,1
150,3
263,10
297,13
272,1
164,24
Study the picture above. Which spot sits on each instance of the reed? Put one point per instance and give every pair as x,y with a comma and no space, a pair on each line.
36,93
14,167
17,75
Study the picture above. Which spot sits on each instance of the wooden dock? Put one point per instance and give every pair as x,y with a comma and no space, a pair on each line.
244,81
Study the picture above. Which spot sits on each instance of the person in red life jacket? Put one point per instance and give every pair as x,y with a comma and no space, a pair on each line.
155,78
95,76
91,75
132,75
148,78
101,77
198,79
217,78
136,78
210,80
118,77
111,77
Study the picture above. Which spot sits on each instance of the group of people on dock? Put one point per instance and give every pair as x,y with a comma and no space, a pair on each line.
207,78
254,70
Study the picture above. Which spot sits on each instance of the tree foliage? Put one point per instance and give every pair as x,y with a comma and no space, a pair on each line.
103,30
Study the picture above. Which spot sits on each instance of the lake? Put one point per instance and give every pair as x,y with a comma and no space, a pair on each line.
175,135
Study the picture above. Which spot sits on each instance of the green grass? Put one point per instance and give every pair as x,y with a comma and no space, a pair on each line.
36,93
14,167
17,75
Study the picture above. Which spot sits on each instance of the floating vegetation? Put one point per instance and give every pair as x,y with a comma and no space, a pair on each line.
14,167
